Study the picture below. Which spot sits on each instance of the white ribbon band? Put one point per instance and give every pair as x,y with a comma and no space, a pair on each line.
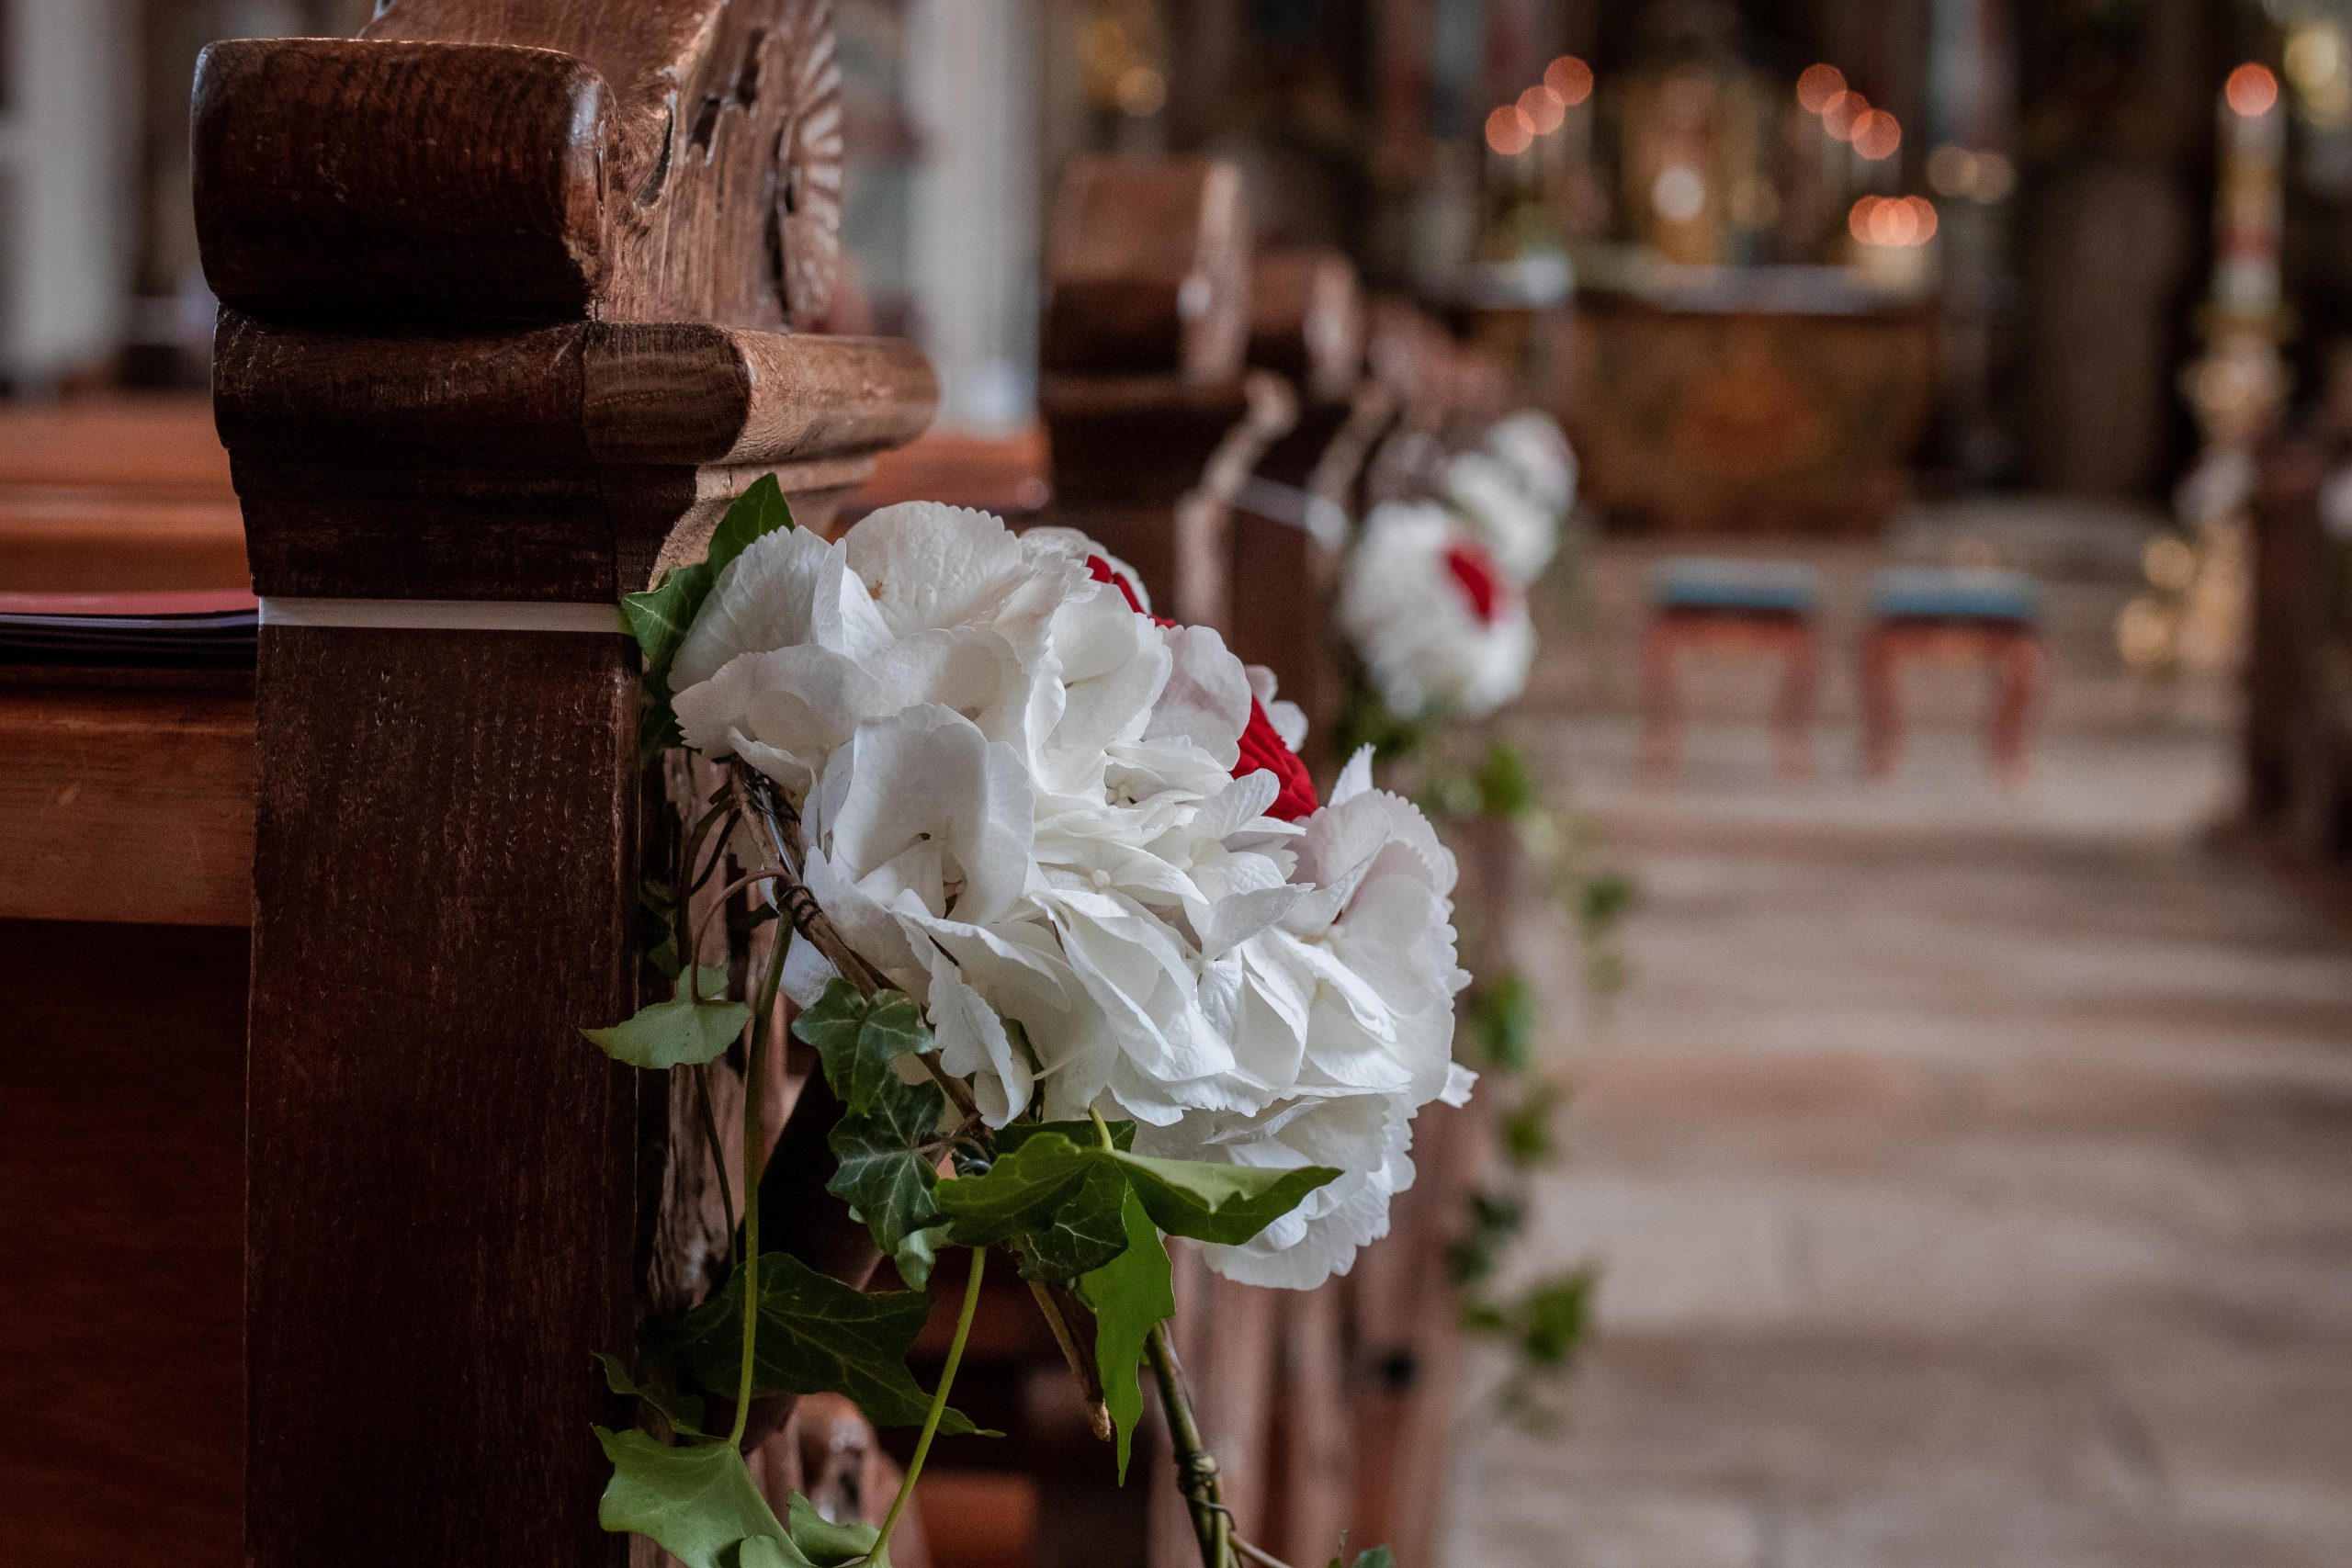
442,616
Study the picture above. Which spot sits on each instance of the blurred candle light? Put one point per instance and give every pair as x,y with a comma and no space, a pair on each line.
1569,79
1877,134
1679,194
1141,92
1839,114
1817,84
1893,222
1996,177
1510,131
2251,90
1544,110
1951,170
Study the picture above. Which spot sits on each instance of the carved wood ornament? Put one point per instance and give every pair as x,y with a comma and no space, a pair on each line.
512,292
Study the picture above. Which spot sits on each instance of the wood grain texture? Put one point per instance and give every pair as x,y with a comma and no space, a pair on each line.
549,463
126,805
121,1152
506,280
443,1214
570,395
630,159
496,153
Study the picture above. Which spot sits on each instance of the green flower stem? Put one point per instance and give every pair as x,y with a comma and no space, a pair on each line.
1196,1468
938,1405
689,941
755,1073
710,1131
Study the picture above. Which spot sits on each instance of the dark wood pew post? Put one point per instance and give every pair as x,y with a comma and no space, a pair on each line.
1152,419
1290,534
506,286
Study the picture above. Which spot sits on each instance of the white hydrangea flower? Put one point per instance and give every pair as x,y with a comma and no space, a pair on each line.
1532,445
1027,802
1519,532
1440,628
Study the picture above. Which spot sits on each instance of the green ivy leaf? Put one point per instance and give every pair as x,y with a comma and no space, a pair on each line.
1085,1232
1053,1201
1083,1133
1057,1201
1501,1019
1527,1130
827,1544
760,511
766,1552
1496,1219
1507,786
1552,1318
1603,902
1223,1203
1378,1557
861,1039
694,1502
657,927
915,1254
1128,1295
885,1175
816,1335
682,1411
680,1032
660,616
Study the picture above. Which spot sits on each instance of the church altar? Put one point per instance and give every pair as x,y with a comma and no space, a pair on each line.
1749,400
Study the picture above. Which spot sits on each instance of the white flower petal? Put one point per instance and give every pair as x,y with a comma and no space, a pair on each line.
973,1044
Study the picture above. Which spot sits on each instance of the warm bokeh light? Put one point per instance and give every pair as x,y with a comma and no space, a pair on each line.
1510,131
1996,177
1892,221
1570,80
1840,113
2314,57
1544,110
1142,91
2251,90
1817,85
1877,134
1679,194
1951,170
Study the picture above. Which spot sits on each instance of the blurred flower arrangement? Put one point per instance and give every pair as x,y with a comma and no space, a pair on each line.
1434,605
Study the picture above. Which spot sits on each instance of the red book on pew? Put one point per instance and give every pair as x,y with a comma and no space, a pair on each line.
205,628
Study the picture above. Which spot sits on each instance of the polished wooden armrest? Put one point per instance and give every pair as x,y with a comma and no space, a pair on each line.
127,802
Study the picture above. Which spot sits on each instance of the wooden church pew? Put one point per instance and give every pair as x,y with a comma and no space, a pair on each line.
490,336
1152,417
1289,529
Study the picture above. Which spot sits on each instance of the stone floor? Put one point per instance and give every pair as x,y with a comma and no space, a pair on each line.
1971,1171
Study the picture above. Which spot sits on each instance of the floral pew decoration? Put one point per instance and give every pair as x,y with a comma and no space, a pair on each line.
1085,960
1434,607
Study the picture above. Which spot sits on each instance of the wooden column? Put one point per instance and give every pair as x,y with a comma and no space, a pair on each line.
506,290
1152,419
1290,533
